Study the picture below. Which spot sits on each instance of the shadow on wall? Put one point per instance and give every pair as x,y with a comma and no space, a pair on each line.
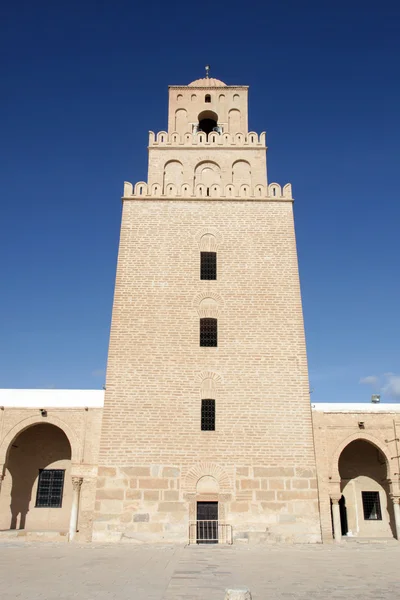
35,448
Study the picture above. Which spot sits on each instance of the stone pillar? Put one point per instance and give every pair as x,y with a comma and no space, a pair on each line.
237,594
396,509
73,522
337,525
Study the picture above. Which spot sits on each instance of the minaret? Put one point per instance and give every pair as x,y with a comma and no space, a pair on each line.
207,430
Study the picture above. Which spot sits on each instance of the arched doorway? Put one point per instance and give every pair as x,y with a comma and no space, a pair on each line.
37,489
365,492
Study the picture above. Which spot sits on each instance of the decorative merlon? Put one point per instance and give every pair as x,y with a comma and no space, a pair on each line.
200,192
163,138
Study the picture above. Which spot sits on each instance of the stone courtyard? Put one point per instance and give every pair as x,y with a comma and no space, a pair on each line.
104,572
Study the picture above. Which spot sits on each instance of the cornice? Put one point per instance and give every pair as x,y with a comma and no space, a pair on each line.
211,87
202,199
204,147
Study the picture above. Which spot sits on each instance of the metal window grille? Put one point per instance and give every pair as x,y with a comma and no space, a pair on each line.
208,332
371,506
50,488
208,415
208,265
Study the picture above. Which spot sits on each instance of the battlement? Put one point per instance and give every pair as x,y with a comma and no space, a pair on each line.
259,192
163,138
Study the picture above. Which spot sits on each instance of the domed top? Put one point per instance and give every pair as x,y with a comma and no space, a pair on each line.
207,82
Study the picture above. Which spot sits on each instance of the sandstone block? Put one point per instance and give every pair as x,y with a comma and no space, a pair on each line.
242,471
249,484
265,495
153,484
107,471
171,506
239,507
151,496
110,494
133,494
295,495
136,471
141,517
171,495
299,484
170,472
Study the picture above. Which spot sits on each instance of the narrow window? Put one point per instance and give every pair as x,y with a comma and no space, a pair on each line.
208,332
207,98
208,415
371,506
208,265
50,488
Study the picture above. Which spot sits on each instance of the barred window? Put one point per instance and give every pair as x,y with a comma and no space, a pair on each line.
371,506
208,265
208,415
208,332
50,488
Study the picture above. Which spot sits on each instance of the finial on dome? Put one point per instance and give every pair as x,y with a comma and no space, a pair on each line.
207,71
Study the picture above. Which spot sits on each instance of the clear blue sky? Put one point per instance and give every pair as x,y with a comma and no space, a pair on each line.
83,82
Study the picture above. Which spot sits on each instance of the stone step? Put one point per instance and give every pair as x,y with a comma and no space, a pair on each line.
359,540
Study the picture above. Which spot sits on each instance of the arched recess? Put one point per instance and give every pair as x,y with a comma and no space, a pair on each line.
208,121
365,506
334,471
208,239
36,492
181,120
234,124
173,173
207,173
207,469
208,304
28,422
241,173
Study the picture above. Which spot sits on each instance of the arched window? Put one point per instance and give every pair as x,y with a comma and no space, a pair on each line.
208,122
208,415
208,265
207,98
208,332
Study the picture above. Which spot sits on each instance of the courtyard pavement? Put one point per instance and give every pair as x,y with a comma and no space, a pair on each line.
104,572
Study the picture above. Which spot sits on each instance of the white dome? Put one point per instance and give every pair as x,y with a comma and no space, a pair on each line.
207,82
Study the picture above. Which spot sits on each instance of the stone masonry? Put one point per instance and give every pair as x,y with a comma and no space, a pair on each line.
207,192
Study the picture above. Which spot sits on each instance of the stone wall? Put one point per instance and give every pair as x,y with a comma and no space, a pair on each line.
334,432
156,367
64,438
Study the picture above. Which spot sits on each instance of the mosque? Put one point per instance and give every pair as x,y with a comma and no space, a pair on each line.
204,432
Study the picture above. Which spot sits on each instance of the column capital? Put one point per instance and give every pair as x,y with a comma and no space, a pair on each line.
395,498
77,483
335,498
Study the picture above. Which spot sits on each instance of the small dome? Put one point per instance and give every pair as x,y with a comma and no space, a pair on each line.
207,82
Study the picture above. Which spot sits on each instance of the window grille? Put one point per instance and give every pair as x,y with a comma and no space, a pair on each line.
50,488
208,265
371,506
208,332
208,415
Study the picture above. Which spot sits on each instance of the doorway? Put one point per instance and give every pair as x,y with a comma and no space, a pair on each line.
207,523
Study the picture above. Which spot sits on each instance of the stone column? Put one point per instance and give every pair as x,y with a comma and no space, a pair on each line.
337,525
396,509
73,522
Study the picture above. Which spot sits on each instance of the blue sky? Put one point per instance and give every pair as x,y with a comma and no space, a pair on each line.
83,82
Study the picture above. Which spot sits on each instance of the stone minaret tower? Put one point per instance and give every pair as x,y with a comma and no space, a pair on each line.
207,424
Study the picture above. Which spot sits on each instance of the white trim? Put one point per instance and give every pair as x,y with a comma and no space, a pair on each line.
51,398
355,407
